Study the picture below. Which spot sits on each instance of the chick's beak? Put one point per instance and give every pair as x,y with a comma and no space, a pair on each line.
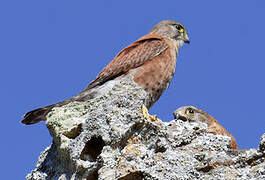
178,116
186,38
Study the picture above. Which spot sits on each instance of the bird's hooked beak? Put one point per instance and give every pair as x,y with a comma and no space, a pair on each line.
186,38
178,116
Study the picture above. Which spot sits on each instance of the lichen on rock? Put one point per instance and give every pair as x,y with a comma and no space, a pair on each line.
109,138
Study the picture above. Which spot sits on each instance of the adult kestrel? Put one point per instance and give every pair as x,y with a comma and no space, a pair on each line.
191,113
150,61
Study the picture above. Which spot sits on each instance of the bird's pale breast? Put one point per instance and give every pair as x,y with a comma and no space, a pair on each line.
155,75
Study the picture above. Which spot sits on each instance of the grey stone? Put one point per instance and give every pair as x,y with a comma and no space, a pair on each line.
109,138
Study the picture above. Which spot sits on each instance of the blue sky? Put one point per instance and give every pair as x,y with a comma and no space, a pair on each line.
50,50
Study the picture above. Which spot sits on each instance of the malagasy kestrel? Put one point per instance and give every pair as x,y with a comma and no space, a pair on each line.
150,61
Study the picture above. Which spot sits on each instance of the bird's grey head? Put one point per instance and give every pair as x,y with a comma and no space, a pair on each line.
171,30
191,113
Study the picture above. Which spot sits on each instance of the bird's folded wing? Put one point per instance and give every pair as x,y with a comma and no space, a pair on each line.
144,49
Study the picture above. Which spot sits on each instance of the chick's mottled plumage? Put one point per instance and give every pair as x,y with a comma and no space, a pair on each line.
191,113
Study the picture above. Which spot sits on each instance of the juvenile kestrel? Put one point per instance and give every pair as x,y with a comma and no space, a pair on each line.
151,62
191,113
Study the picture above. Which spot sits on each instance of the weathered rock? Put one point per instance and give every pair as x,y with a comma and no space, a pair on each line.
109,138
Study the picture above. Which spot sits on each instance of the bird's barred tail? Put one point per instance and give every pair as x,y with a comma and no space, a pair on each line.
39,114
36,115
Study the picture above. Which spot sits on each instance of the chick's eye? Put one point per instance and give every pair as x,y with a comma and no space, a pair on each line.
190,112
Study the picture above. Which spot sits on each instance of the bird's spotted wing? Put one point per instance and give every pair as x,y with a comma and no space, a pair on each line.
131,57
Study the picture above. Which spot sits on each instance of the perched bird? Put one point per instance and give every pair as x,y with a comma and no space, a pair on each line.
191,113
150,61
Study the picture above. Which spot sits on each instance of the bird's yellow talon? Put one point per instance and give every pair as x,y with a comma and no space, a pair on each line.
148,116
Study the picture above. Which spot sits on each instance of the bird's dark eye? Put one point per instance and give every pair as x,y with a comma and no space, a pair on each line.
179,28
189,112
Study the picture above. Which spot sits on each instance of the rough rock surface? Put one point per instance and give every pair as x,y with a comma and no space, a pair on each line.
109,138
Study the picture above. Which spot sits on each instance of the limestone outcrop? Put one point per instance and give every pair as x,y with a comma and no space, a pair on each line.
109,138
